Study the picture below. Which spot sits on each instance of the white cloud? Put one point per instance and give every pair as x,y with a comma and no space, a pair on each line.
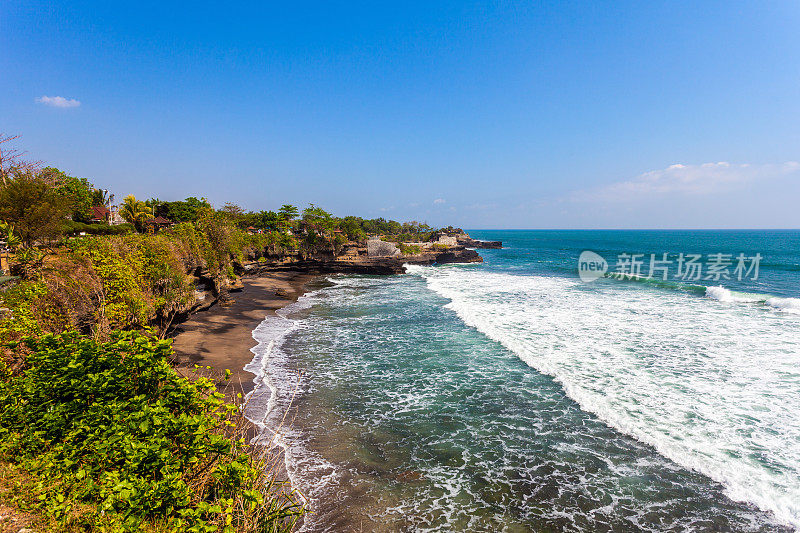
439,201
58,101
707,178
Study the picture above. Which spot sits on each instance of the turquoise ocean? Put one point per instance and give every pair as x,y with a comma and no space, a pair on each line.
512,396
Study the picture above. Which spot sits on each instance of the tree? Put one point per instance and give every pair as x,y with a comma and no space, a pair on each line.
134,211
318,217
185,211
318,223
153,204
77,192
270,220
34,208
288,212
102,197
11,161
232,210
351,226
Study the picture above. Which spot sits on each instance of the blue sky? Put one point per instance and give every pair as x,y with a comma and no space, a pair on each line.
483,115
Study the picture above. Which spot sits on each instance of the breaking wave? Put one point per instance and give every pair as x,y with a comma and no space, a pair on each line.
713,388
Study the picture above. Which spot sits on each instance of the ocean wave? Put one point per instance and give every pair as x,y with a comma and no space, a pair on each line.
789,305
714,390
726,295
275,386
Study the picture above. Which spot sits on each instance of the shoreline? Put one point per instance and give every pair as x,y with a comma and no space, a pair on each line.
264,294
221,336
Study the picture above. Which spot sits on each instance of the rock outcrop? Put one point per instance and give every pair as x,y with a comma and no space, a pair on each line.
469,242
363,264
379,248
375,258
458,237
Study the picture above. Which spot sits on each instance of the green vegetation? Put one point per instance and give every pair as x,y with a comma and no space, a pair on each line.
117,441
135,211
183,211
98,432
288,212
77,193
409,249
34,209
75,228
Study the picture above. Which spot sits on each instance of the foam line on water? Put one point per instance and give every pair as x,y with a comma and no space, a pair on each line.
261,402
711,386
789,305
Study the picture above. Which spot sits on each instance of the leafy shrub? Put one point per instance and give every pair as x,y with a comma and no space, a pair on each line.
74,228
143,278
22,302
215,239
114,426
409,249
124,302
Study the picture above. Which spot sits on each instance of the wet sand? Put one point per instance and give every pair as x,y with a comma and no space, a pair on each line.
221,336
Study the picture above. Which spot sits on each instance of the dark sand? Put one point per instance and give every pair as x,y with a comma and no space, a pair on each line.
221,336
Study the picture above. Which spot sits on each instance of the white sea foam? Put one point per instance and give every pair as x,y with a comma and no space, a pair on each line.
726,295
711,387
274,388
789,305
720,293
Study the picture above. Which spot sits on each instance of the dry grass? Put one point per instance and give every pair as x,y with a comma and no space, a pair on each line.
282,499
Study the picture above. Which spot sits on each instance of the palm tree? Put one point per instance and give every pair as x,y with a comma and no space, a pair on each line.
102,197
134,211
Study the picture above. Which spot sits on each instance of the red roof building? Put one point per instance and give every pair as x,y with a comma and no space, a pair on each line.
100,214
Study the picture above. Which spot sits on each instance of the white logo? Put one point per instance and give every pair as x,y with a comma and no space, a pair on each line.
591,266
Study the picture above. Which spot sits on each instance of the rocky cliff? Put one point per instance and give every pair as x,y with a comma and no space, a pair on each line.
469,242
363,264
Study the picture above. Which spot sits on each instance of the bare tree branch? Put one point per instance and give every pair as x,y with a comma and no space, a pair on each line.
11,159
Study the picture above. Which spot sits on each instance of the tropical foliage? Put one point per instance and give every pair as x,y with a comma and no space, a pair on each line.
134,211
127,444
187,210
8,237
77,193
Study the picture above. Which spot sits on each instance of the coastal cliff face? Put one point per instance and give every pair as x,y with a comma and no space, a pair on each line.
363,264
99,284
464,239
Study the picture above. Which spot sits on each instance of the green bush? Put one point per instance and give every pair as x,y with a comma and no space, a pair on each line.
143,279
409,249
22,300
114,426
75,228
125,302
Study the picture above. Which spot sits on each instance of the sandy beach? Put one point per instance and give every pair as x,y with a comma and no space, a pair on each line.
221,336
